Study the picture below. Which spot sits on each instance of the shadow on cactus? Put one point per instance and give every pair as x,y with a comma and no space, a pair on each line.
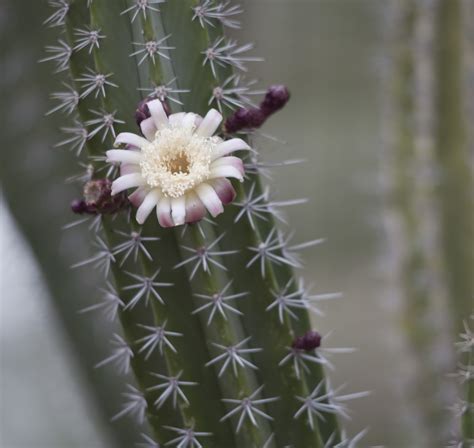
215,325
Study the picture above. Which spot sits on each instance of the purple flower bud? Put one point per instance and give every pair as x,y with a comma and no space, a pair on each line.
256,118
309,341
236,121
142,112
79,206
244,119
276,97
298,343
252,118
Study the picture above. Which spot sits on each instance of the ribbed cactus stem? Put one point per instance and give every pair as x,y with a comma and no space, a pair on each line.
454,154
227,331
148,35
430,192
78,17
280,276
136,324
412,214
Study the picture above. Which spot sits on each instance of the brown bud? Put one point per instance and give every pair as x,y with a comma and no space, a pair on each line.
98,198
309,341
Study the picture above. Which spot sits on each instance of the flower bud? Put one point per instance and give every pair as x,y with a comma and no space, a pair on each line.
309,341
244,119
276,97
98,198
79,206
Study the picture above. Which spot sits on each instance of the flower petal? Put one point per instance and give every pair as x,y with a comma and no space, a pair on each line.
224,190
226,171
198,120
229,166
148,128
178,210
128,168
123,156
236,162
149,203
127,138
158,114
210,199
189,120
176,119
128,181
224,148
195,209
136,198
209,124
163,211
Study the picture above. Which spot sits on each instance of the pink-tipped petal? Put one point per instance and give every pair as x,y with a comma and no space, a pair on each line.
224,148
149,203
176,119
137,197
128,181
195,209
123,156
226,171
209,124
129,168
163,211
229,166
210,199
148,128
127,138
158,114
178,210
224,190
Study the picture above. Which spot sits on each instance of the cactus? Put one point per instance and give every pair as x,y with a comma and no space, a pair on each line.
454,152
215,326
427,177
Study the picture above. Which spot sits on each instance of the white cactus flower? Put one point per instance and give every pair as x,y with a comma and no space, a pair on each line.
180,167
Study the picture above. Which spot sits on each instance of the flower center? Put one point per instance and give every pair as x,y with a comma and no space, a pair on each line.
178,164
177,160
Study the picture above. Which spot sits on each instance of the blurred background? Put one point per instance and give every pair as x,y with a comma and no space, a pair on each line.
332,55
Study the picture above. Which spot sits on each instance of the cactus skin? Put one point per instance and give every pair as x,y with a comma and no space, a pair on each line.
454,152
429,187
256,404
